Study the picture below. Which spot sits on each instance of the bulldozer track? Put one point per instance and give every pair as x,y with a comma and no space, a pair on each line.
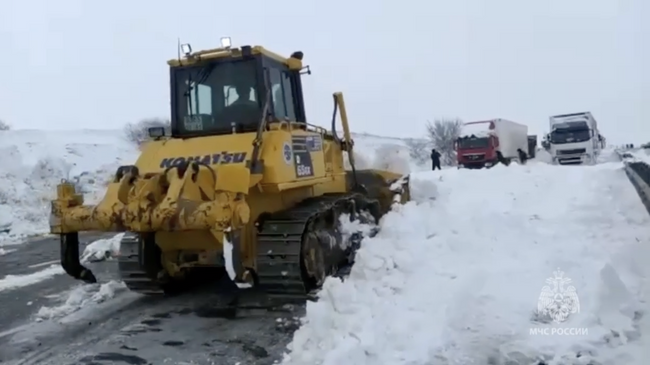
280,268
131,267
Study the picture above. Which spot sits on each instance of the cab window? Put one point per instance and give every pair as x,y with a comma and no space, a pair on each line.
283,106
213,98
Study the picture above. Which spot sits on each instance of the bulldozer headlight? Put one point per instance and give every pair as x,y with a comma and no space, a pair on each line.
225,42
186,49
156,132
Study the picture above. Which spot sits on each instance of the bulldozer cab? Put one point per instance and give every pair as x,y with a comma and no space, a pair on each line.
225,91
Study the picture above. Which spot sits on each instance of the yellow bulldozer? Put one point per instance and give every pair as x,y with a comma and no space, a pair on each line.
241,179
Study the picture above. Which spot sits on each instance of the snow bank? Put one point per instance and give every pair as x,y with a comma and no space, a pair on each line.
455,277
35,161
642,155
81,297
608,155
16,281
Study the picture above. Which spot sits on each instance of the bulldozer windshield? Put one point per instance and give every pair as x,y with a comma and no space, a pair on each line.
216,98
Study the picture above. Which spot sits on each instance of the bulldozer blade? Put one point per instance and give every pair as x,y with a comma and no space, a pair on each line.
70,259
385,186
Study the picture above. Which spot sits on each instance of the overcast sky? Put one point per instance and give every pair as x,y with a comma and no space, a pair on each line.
99,64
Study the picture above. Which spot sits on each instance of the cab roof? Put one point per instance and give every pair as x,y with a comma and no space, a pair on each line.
217,53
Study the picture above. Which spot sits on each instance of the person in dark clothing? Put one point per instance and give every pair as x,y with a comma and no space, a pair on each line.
522,156
435,160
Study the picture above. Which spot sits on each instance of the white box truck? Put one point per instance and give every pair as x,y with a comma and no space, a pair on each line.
484,143
574,139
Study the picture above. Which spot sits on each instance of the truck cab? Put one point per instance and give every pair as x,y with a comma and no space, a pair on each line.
477,151
485,143
574,139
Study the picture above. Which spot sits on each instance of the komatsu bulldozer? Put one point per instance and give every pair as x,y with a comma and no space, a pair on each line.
241,179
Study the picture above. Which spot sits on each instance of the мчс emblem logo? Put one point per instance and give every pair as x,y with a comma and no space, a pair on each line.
559,298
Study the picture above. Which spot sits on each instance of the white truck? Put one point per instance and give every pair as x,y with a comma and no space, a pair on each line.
484,143
574,139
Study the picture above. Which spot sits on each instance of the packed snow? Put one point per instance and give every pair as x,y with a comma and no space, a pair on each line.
16,281
81,297
641,155
456,276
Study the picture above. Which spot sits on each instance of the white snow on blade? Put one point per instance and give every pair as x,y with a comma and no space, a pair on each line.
350,227
36,161
454,277
383,153
81,297
16,281
102,249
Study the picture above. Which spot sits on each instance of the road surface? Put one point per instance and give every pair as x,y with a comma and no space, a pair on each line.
129,328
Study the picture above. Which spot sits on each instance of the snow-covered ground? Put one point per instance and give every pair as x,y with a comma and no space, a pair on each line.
457,276
453,277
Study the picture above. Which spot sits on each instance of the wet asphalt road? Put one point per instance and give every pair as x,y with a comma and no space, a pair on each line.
130,328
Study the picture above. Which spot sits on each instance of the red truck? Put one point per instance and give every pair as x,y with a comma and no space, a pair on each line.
485,143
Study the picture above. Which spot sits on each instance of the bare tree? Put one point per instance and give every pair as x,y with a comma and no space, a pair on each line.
442,134
4,126
419,150
138,132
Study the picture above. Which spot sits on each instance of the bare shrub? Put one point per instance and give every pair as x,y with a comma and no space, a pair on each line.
419,150
4,126
442,134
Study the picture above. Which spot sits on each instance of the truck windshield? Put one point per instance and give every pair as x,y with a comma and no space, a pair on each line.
215,97
560,136
473,142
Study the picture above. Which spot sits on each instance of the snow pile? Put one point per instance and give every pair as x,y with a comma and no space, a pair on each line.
480,129
543,156
35,162
455,276
642,155
5,218
608,155
80,297
102,249
16,281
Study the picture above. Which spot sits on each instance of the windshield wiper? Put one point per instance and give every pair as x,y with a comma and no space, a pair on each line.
188,95
203,74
